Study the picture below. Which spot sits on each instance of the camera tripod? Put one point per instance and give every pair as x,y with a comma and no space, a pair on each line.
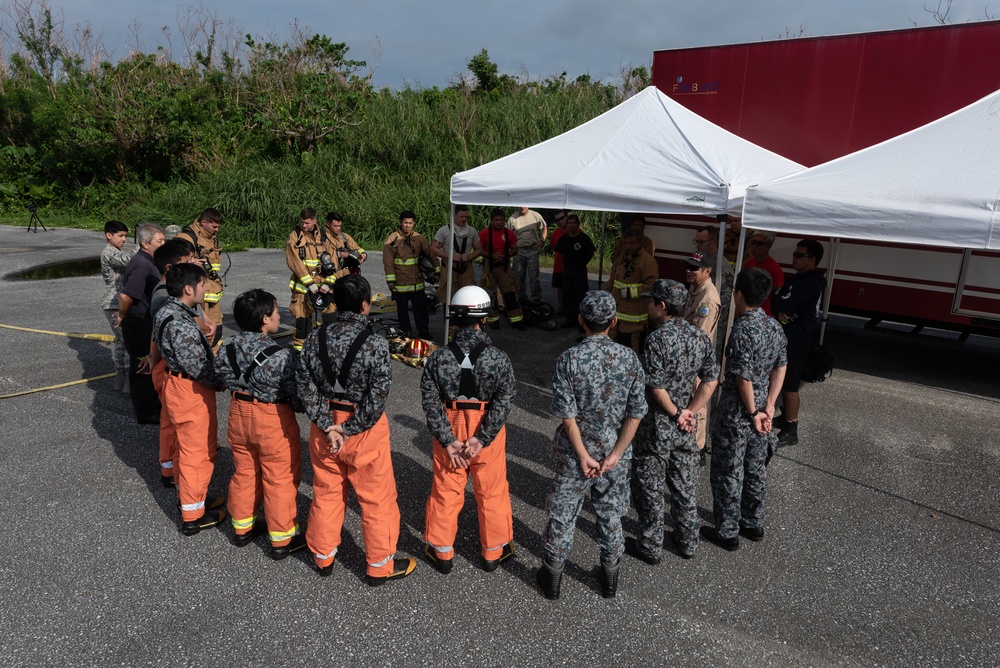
35,221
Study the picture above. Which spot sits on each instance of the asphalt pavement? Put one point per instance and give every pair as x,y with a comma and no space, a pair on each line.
881,545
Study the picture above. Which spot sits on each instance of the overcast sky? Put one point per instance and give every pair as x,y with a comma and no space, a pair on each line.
425,43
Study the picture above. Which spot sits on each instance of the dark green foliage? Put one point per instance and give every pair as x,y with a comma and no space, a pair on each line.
259,136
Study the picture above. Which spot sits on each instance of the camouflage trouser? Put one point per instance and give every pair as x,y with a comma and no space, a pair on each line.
610,496
672,460
119,354
739,476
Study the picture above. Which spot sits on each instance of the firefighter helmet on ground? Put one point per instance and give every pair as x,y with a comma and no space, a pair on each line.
472,302
417,348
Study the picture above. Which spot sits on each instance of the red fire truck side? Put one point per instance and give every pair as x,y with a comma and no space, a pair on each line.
815,99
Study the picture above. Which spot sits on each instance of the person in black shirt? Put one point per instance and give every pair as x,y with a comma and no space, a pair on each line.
796,306
135,319
577,250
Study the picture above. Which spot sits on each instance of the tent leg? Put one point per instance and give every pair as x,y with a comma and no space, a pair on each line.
834,255
600,261
447,294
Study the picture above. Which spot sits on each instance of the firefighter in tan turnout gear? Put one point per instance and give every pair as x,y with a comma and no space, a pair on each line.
346,256
401,261
632,274
203,234
302,254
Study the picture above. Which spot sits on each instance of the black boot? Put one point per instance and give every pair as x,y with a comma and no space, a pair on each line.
549,579
609,578
789,435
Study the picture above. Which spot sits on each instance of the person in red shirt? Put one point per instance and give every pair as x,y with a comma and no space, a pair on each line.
760,247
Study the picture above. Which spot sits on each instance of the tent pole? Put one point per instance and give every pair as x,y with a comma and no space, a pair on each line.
600,261
721,256
451,258
834,255
731,316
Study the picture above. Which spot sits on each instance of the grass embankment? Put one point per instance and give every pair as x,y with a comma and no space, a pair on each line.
400,156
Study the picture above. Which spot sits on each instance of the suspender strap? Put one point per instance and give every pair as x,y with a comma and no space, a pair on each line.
163,325
467,381
340,381
243,378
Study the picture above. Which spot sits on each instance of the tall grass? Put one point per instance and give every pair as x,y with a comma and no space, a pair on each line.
400,156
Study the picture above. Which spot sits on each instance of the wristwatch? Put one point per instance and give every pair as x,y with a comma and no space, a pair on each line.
751,416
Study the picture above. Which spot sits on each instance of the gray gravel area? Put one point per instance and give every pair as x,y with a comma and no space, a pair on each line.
881,546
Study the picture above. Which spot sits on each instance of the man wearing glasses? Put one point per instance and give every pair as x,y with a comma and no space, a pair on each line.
796,306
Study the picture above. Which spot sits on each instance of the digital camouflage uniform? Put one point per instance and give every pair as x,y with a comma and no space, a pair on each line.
263,434
189,395
600,383
113,263
739,477
209,254
451,417
725,289
364,462
675,353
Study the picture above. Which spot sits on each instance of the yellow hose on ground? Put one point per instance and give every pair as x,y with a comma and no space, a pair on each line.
73,335
56,387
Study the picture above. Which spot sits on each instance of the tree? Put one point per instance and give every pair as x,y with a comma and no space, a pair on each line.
303,92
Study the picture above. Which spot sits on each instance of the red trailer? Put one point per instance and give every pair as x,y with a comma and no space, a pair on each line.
815,99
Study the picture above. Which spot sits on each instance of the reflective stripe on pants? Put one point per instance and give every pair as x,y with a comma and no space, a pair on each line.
267,453
489,482
191,407
365,463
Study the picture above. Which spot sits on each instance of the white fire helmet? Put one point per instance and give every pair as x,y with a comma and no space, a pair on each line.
471,301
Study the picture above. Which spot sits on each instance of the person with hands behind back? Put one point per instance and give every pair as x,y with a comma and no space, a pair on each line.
666,450
599,394
343,378
262,430
189,393
741,432
467,390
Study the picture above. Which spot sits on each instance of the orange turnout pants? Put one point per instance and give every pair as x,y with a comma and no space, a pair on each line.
489,482
267,453
191,408
364,463
168,434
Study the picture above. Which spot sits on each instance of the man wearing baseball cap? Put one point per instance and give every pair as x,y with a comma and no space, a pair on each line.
598,393
702,310
674,355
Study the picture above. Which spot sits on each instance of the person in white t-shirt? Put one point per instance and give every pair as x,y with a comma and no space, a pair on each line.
466,249
531,231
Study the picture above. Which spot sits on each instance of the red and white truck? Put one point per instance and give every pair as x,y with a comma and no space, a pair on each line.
815,99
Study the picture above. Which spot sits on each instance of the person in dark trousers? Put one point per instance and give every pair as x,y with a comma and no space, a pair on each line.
133,316
796,306
577,250
741,431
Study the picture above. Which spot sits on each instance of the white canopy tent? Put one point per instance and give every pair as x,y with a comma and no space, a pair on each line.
937,185
648,154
